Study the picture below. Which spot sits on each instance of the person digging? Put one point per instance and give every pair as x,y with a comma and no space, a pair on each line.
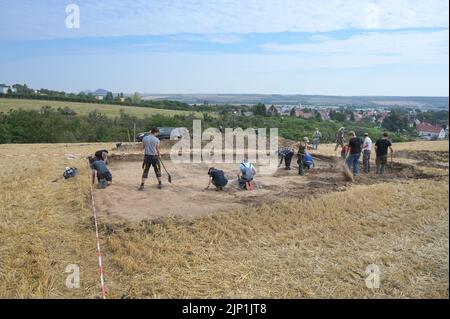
381,149
151,146
217,178
285,154
245,175
340,138
100,169
302,146
354,152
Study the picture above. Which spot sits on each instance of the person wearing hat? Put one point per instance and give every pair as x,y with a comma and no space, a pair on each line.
367,150
302,146
355,149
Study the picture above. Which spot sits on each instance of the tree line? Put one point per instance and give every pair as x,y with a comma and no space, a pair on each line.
63,125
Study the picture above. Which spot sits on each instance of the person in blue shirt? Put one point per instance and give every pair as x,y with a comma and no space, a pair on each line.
246,174
285,154
100,169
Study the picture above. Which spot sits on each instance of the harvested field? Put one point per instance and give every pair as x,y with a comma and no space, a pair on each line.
294,237
316,247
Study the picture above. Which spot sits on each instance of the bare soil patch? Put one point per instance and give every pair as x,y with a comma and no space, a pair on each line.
186,197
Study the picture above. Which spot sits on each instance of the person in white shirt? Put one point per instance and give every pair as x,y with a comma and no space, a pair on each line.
367,149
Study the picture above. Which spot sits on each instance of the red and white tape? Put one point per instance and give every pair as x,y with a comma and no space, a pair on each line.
99,252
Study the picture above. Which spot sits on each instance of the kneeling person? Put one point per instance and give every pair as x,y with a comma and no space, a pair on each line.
246,174
100,169
217,178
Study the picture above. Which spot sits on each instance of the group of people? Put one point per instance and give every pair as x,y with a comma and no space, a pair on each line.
351,152
150,145
245,176
304,159
356,146
247,170
99,167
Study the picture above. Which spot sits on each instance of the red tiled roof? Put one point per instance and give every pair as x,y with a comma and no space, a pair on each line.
425,127
304,114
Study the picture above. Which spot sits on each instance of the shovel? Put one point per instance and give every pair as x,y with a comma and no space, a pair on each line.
391,164
169,177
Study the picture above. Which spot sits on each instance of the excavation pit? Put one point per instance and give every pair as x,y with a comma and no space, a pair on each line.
186,196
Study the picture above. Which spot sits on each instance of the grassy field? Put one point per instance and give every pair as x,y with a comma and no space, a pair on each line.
297,248
85,108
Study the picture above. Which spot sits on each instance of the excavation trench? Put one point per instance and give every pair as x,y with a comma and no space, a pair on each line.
186,196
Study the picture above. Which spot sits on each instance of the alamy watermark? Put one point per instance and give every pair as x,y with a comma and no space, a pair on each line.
373,13
228,145
73,279
373,276
73,16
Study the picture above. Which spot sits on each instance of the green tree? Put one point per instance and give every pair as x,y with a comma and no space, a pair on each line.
338,116
109,97
272,111
260,109
396,120
136,98
352,117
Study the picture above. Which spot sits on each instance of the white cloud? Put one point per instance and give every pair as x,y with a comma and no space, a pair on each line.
225,38
28,19
372,48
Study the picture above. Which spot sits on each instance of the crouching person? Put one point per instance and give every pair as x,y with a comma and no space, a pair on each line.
285,154
246,174
100,169
302,147
217,178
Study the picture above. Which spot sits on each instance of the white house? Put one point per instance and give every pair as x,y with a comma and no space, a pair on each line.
4,88
100,94
428,131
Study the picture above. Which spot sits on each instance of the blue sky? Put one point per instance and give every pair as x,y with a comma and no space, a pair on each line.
337,47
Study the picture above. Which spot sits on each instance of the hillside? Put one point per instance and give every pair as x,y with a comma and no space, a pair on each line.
84,108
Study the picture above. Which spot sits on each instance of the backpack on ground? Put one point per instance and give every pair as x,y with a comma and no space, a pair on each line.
70,172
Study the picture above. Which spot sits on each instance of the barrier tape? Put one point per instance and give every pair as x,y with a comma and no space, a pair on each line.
99,253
